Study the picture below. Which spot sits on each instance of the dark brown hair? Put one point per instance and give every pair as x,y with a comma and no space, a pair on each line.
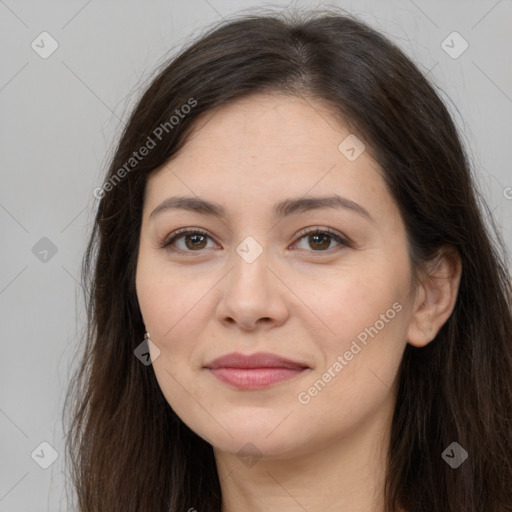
128,449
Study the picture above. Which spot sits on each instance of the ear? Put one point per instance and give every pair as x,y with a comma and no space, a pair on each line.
436,297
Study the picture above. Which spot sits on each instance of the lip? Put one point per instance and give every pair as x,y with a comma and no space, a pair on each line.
254,371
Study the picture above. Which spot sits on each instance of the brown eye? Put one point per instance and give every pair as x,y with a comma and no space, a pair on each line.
320,239
325,241
195,240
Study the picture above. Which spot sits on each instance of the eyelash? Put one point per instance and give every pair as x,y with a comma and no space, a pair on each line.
167,243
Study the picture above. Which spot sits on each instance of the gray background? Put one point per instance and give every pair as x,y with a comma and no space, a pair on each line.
60,117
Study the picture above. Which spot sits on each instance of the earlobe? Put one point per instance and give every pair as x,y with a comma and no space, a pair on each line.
436,298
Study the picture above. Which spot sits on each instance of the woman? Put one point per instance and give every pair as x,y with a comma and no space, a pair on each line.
294,302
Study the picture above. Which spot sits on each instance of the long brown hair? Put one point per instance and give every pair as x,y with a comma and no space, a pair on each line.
128,450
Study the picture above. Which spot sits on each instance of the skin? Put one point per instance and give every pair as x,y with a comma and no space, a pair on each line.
293,300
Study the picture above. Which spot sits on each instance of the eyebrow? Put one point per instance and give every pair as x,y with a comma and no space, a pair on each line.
292,206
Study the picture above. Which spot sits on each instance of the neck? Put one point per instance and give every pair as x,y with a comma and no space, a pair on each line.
335,474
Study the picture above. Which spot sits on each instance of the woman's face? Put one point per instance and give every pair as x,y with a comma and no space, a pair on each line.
257,280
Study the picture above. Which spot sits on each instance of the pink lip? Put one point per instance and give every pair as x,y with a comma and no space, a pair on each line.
254,371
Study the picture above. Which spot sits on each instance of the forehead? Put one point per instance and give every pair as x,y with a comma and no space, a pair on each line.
284,125
269,147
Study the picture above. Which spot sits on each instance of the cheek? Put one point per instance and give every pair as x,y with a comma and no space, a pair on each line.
175,322
359,371
346,303
176,310
170,302
364,336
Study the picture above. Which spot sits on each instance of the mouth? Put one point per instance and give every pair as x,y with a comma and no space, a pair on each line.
254,371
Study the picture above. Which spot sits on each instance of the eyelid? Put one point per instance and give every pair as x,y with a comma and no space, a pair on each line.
311,230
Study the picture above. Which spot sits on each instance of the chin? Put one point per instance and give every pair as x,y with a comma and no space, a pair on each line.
255,436
254,447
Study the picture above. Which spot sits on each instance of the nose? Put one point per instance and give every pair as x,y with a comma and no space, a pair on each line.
253,295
